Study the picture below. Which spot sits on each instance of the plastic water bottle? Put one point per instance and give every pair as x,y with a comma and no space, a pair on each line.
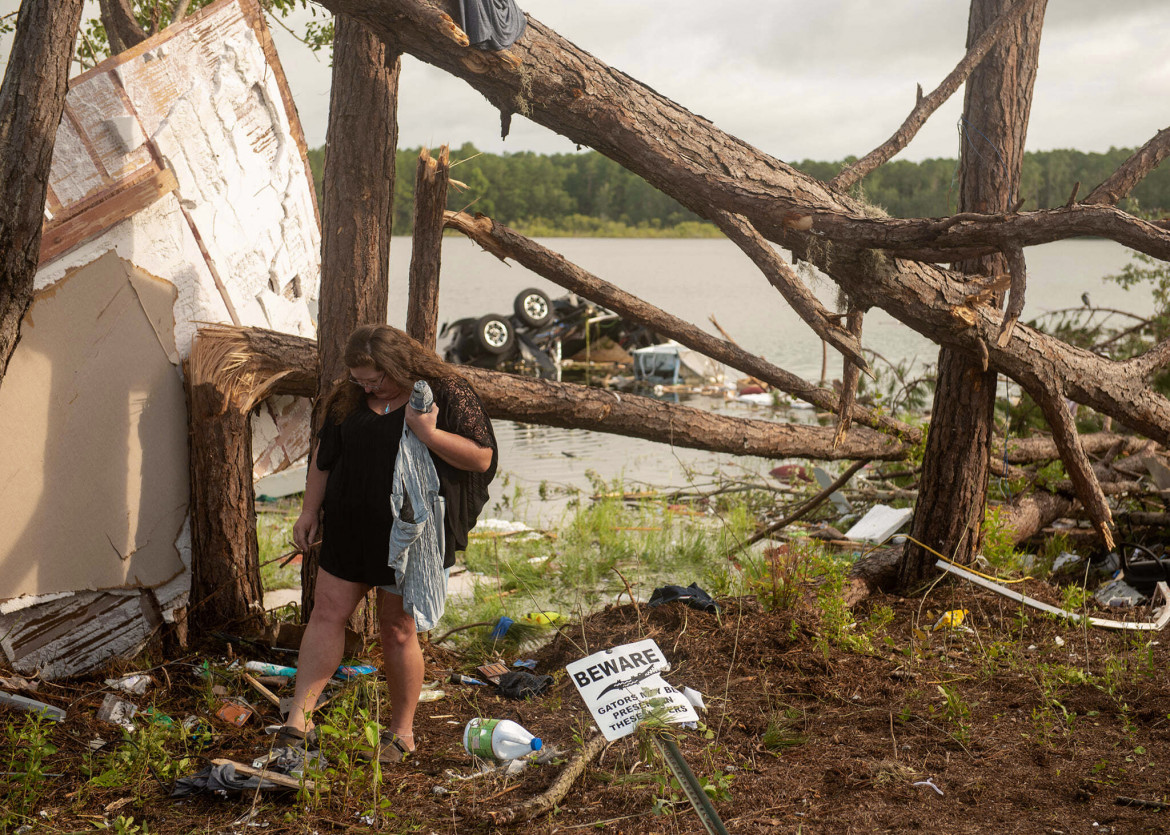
498,739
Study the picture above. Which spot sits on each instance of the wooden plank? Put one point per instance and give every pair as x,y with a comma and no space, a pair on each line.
282,780
121,204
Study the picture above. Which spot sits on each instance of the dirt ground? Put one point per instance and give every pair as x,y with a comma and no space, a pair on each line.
1025,724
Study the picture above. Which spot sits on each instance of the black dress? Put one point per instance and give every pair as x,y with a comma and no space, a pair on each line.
359,455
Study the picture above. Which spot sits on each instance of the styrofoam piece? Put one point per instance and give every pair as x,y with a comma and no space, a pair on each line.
837,498
880,523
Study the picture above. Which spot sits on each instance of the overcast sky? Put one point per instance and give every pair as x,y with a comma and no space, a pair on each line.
817,79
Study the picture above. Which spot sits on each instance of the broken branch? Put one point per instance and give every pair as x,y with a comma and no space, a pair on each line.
1131,172
924,107
784,278
1018,268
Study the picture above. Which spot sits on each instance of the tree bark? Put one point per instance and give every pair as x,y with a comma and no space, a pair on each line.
356,219
430,201
122,28
32,100
953,487
225,566
530,400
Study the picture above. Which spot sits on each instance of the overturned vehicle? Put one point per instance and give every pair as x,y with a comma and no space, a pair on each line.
545,333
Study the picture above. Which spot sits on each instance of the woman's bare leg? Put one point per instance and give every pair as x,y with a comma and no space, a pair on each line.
404,664
323,643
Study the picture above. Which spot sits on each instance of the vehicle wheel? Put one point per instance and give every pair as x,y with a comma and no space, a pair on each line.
533,308
494,335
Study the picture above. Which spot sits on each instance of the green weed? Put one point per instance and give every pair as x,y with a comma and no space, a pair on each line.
28,739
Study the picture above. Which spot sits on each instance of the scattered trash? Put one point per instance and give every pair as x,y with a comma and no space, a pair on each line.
880,523
1163,595
929,782
620,685
695,698
270,669
542,618
492,672
1118,594
836,497
498,739
198,731
136,683
117,711
527,663
438,791
1066,560
225,776
234,712
522,685
459,678
692,595
431,695
33,706
501,628
1059,641
950,620
348,671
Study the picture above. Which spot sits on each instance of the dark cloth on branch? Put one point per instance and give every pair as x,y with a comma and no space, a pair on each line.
492,24
692,595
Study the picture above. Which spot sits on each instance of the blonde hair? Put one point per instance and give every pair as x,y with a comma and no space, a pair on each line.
401,357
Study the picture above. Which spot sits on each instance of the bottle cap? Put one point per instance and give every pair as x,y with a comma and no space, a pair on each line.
536,743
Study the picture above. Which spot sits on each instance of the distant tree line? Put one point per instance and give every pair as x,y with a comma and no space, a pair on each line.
586,194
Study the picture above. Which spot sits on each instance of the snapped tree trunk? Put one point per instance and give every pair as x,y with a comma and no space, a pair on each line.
953,489
32,100
430,200
356,220
225,568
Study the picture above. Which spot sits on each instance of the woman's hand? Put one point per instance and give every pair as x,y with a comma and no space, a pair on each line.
422,424
458,451
305,531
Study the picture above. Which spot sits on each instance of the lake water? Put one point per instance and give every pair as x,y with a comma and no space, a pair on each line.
694,279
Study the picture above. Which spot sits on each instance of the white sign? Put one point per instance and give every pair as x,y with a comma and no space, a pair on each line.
620,685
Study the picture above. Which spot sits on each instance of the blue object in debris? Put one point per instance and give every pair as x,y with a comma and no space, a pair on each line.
502,626
530,663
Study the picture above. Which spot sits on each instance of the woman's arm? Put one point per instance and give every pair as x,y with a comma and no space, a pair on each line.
458,451
307,524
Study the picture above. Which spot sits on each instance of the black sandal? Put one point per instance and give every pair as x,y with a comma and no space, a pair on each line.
391,749
287,737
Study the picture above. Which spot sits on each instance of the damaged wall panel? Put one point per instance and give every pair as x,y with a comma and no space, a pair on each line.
180,193
95,428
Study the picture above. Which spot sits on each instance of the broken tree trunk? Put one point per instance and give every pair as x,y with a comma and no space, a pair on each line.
953,488
530,400
32,99
225,564
356,219
430,201
269,362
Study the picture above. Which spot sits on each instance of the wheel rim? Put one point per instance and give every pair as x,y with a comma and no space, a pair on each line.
495,333
535,306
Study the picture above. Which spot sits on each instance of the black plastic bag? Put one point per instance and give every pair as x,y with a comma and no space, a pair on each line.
692,595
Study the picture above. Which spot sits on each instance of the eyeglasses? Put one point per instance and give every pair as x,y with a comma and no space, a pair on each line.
369,384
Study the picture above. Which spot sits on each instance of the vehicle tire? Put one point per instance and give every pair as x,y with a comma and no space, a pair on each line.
533,308
494,334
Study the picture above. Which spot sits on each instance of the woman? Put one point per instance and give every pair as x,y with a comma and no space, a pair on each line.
350,477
